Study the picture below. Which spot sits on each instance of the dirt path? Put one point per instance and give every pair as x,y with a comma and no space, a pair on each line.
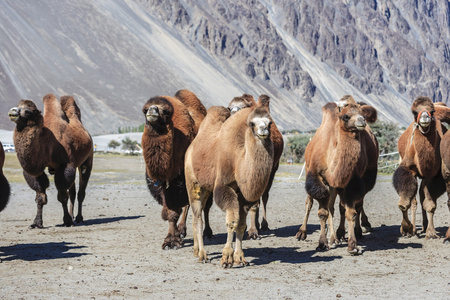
116,253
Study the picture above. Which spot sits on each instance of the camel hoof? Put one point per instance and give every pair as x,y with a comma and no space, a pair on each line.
366,228
253,236
431,236
323,248
79,219
207,233
301,235
355,251
447,241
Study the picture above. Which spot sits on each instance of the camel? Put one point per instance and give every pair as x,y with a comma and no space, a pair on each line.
341,159
4,185
235,105
420,150
231,158
445,152
56,140
169,129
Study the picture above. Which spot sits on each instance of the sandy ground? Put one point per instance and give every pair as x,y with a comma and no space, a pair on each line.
116,253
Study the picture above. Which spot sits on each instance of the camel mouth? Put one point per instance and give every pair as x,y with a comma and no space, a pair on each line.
360,127
152,116
13,114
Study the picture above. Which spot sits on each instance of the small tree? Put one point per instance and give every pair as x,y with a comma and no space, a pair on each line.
113,144
130,145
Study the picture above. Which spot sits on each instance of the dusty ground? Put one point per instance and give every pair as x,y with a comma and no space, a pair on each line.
116,252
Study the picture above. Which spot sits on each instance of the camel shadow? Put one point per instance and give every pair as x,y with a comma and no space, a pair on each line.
35,252
291,231
106,220
275,255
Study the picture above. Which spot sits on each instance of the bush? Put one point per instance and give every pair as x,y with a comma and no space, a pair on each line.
295,147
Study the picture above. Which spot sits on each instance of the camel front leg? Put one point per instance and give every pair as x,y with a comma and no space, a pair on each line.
207,232
239,258
197,201
39,185
182,224
333,238
84,174
351,215
365,224
64,180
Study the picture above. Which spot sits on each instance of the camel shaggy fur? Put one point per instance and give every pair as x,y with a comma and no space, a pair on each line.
235,105
56,140
232,158
420,149
341,159
4,185
169,129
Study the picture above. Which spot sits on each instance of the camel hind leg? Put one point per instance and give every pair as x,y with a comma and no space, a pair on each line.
254,223
39,184
430,190
84,174
64,180
301,234
405,184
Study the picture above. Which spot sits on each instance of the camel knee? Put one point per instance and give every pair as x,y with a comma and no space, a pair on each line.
429,206
323,214
350,214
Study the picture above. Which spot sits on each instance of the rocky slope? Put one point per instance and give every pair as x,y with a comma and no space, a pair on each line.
113,55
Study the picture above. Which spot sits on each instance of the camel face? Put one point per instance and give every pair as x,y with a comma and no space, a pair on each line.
259,121
239,103
352,118
25,110
423,110
158,111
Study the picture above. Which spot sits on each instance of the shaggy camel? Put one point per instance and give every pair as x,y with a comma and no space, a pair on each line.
4,185
169,129
420,150
232,158
58,141
341,159
235,105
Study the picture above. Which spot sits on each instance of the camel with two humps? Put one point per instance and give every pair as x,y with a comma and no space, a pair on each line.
171,123
59,141
255,227
420,149
341,159
232,159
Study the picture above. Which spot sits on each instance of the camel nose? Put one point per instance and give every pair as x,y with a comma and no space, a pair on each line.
360,123
424,119
13,114
263,131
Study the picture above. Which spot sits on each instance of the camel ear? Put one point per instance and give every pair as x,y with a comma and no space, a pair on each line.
264,101
370,113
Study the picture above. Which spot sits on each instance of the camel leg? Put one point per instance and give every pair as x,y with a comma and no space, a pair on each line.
64,179
207,232
265,199
365,224
446,177
182,224
226,198
333,238
405,184
340,233
358,229
254,224
197,201
72,197
171,215
239,258
353,201
370,178
301,234
432,189
39,185
84,174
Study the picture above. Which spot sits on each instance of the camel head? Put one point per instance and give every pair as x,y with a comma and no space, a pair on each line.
26,113
260,120
239,103
351,118
423,110
158,112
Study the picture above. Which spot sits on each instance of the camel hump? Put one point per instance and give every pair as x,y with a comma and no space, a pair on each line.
440,104
195,107
218,113
329,107
52,108
264,101
70,107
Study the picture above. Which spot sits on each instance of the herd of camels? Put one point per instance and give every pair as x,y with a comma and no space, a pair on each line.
229,156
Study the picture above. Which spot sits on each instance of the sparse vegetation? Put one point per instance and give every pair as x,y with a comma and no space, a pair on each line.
130,146
113,144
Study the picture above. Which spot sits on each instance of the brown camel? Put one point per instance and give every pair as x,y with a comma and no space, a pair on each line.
445,152
4,185
58,141
235,105
341,159
420,150
232,158
169,129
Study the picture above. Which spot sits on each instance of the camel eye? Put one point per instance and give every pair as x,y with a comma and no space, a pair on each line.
166,112
252,124
145,110
345,118
432,112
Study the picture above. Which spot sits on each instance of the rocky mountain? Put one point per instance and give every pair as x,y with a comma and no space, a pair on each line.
114,55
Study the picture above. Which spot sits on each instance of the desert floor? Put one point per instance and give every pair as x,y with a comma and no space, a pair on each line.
116,253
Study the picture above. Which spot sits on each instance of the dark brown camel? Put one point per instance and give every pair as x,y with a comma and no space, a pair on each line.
58,141
341,159
4,185
235,105
169,129
232,158
420,150
445,152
